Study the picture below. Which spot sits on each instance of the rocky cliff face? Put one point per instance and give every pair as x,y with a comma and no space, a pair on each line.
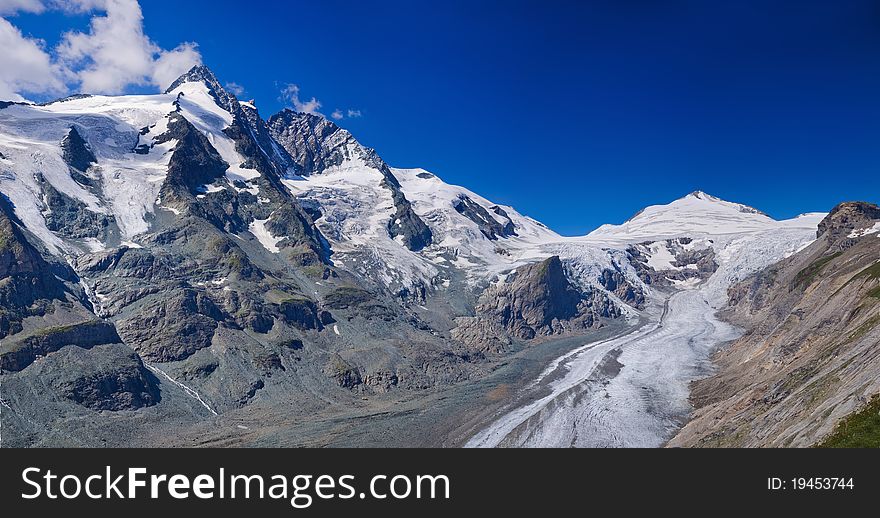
32,287
489,226
811,355
316,144
536,300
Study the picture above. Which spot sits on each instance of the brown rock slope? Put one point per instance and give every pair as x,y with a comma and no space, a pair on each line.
811,356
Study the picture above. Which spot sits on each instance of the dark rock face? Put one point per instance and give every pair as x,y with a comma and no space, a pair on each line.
71,218
303,240
406,224
137,263
315,144
172,327
615,282
300,312
509,227
489,226
345,375
537,300
76,151
846,217
20,352
260,131
29,285
108,377
345,297
194,163
689,263
17,255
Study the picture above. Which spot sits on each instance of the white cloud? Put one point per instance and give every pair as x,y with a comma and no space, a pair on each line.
172,64
112,55
351,113
25,66
234,88
290,93
8,7
116,53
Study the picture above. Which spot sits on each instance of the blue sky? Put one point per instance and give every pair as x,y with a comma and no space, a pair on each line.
576,113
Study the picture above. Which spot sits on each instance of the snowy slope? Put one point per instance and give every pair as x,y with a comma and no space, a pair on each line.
30,141
458,240
30,137
696,214
355,211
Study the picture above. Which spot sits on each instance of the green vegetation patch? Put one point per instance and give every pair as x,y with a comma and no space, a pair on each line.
806,276
857,430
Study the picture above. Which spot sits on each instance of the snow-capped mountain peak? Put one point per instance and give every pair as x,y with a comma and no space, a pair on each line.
698,213
700,195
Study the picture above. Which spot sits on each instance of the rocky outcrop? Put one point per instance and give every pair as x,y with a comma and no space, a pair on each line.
76,151
846,219
616,282
302,240
536,300
21,350
263,138
688,261
71,218
405,224
30,285
107,377
489,226
811,355
194,162
509,228
172,327
316,144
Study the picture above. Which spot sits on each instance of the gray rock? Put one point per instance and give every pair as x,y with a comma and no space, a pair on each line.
106,377
536,300
71,218
20,351
315,144
489,226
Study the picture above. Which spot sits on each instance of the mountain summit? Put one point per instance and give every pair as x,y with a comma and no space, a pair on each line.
696,213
